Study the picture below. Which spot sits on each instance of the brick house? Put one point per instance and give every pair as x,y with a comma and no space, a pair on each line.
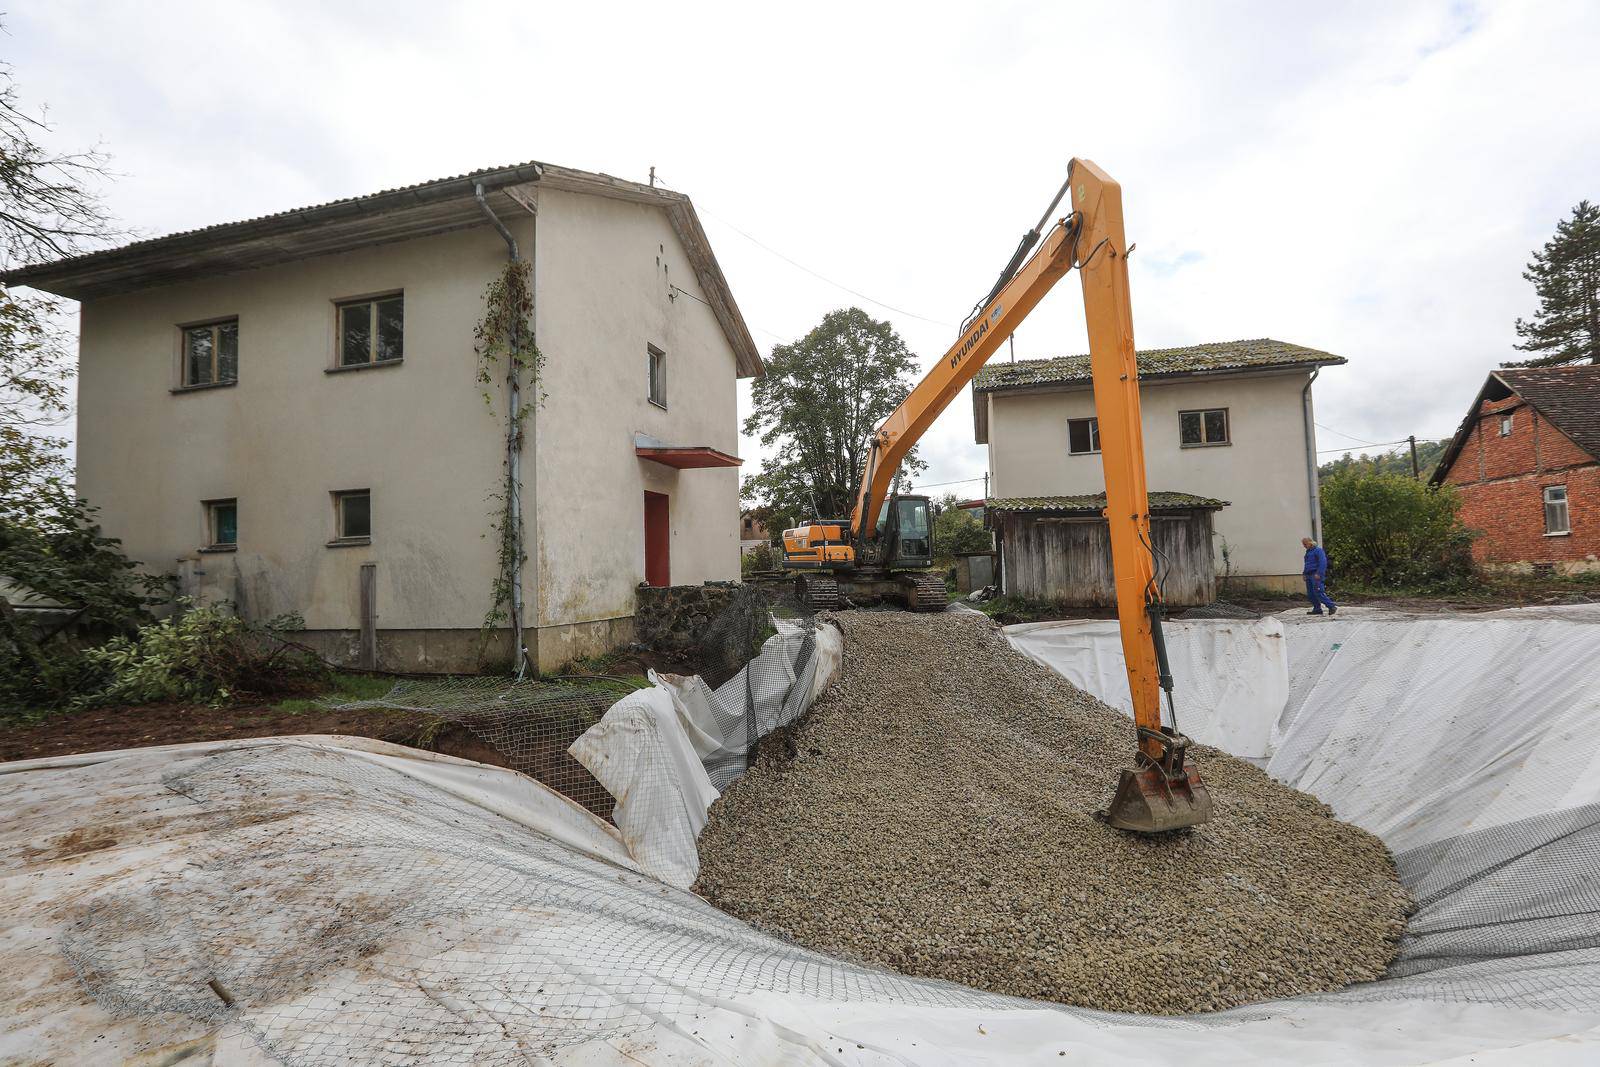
1526,462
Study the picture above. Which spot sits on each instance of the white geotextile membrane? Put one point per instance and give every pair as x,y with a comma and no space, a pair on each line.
322,900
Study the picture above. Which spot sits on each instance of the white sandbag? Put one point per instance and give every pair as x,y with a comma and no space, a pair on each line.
1230,676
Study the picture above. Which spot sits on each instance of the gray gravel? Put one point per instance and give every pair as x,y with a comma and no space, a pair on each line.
934,814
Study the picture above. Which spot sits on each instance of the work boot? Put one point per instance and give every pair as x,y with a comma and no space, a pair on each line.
1317,612
1333,609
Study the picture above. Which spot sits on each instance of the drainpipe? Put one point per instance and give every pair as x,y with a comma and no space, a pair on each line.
513,449
1311,457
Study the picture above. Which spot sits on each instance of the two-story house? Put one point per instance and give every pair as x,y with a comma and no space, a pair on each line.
1230,421
1526,462
287,413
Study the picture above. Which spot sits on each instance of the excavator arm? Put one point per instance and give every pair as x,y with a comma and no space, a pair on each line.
1159,793
998,319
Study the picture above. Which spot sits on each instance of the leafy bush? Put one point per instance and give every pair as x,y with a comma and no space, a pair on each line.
957,530
51,547
760,558
201,655
1392,530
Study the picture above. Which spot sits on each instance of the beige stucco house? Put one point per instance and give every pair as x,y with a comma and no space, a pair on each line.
285,413
1230,421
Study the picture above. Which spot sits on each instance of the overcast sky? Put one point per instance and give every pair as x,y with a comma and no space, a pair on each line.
1362,178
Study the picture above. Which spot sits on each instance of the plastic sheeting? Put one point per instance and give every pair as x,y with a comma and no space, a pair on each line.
321,900
666,753
1232,676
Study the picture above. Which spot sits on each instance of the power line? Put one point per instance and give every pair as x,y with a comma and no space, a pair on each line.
1353,437
958,481
815,274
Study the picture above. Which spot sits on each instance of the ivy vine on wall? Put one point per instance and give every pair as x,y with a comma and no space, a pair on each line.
507,352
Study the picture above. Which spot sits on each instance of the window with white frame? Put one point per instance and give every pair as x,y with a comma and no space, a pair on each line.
211,353
1083,436
372,331
222,524
1557,519
656,375
1505,424
1199,428
352,516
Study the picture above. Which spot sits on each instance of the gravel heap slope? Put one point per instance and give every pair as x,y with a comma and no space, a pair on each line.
934,814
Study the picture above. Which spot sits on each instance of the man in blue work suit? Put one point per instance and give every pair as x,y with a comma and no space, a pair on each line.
1316,572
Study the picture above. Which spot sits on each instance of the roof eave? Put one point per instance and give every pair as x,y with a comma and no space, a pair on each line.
1078,384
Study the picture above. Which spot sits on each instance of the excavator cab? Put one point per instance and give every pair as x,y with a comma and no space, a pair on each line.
905,528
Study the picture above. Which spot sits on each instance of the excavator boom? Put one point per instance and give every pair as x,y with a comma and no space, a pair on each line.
997,320
1159,793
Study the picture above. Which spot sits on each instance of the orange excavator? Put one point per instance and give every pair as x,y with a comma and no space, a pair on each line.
883,549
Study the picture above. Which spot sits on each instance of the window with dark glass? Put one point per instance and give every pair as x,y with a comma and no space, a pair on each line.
656,371
211,353
1203,427
371,331
1083,436
222,523
353,515
1557,519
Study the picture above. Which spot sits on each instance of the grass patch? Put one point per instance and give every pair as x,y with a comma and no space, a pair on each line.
343,688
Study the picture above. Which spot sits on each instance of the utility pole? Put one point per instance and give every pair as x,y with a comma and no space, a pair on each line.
1415,473
986,486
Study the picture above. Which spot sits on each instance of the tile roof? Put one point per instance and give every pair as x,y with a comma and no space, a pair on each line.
1568,396
409,211
1093,503
1214,358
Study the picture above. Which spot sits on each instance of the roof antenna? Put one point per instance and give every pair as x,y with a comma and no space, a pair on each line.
652,177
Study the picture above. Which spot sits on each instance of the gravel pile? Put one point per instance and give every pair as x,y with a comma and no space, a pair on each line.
934,814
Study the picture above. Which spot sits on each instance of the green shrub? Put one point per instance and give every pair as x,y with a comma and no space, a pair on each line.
760,558
1392,530
200,655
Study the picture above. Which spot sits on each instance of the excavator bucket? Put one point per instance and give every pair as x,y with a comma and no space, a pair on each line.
1148,801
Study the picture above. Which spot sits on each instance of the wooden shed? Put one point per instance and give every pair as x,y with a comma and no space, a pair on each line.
1058,548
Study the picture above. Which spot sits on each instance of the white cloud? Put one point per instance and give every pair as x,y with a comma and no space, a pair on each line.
1367,179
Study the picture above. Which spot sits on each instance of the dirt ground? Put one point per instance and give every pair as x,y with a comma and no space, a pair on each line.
100,729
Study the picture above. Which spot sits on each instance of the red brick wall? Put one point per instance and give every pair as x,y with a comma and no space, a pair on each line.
1502,480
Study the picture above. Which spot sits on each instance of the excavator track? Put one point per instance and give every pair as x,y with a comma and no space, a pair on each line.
924,592
817,592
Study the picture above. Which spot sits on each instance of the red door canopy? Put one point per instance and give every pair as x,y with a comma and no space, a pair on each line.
657,540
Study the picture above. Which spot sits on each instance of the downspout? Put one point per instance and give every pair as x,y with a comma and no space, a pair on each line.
1311,457
513,446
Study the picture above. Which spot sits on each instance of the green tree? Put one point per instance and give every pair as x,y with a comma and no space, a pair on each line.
1396,462
1393,530
957,530
48,209
1566,276
820,399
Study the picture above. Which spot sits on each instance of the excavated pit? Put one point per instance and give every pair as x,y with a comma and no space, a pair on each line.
934,814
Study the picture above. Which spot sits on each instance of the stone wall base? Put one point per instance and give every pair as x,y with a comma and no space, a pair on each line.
468,651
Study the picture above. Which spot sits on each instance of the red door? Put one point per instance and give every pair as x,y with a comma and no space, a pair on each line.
657,540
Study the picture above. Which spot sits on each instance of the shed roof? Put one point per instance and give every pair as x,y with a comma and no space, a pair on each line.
1569,397
423,209
1094,503
1220,357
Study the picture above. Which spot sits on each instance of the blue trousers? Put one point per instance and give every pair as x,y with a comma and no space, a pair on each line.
1317,594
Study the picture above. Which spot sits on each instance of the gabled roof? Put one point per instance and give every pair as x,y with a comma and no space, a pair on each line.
1094,503
1221,357
1260,356
1568,397
420,210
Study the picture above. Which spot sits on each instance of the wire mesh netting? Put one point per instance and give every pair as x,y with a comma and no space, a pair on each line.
332,908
